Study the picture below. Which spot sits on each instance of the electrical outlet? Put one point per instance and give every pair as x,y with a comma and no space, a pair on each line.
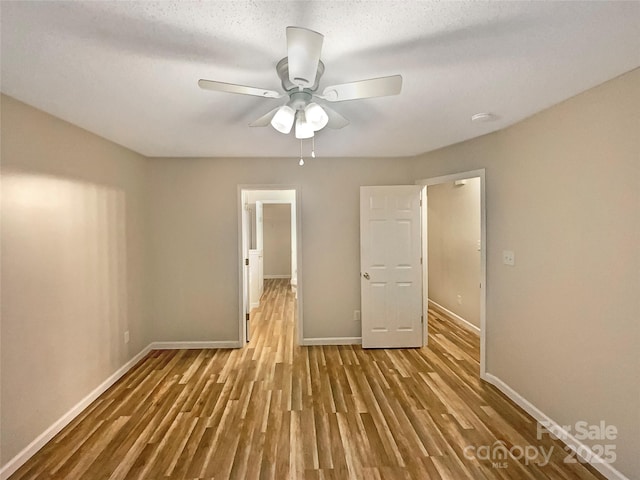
126,336
356,315
508,258
459,298
479,245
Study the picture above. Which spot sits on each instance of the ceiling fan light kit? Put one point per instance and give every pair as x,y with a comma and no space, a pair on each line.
316,116
303,128
282,121
300,72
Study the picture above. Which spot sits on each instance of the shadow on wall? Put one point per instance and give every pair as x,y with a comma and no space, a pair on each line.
64,296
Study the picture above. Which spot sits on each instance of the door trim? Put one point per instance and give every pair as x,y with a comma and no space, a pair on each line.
242,188
483,253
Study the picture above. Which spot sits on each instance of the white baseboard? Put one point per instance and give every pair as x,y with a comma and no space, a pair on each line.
194,345
457,318
332,341
276,276
606,469
16,462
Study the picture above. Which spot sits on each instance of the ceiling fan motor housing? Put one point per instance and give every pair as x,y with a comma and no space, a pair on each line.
299,100
282,68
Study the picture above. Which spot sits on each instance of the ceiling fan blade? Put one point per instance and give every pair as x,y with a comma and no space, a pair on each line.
233,88
264,120
374,87
303,52
335,119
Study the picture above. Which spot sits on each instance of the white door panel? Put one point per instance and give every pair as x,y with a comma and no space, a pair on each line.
259,226
246,225
391,280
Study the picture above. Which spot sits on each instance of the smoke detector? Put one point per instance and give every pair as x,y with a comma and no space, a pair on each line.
484,117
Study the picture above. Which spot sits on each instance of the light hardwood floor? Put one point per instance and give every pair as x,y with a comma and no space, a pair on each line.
274,410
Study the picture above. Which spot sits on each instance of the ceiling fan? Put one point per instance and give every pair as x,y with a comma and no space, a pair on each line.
300,72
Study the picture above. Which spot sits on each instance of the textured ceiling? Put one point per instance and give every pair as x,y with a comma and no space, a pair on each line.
128,71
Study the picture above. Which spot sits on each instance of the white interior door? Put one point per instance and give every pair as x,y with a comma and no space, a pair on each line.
390,267
255,278
246,236
259,226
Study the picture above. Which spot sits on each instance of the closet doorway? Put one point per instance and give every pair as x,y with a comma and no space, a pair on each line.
458,241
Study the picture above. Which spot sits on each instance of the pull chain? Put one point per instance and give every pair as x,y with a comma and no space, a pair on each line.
313,147
301,162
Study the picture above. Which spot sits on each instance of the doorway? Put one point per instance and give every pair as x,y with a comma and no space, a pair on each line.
279,204
450,186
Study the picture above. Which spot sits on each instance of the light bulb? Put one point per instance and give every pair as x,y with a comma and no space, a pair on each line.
283,119
303,128
316,116
301,162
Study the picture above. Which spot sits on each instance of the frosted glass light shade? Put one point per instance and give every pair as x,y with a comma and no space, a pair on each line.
303,128
283,119
316,116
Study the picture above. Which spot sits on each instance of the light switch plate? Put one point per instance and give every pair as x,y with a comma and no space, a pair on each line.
508,258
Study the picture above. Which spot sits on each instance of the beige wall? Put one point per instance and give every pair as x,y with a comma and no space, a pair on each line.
73,217
563,192
277,240
453,255
194,240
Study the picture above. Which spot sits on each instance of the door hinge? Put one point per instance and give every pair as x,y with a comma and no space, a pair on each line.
420,202
246,315
420,260
422,319
246,262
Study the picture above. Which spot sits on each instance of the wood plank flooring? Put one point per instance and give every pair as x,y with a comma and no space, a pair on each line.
274,410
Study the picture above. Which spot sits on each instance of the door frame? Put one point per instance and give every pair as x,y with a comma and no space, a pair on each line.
483,254
242,271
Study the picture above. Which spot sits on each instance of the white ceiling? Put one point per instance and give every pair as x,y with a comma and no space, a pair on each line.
128,71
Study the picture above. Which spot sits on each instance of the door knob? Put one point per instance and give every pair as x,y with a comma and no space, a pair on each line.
366,275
